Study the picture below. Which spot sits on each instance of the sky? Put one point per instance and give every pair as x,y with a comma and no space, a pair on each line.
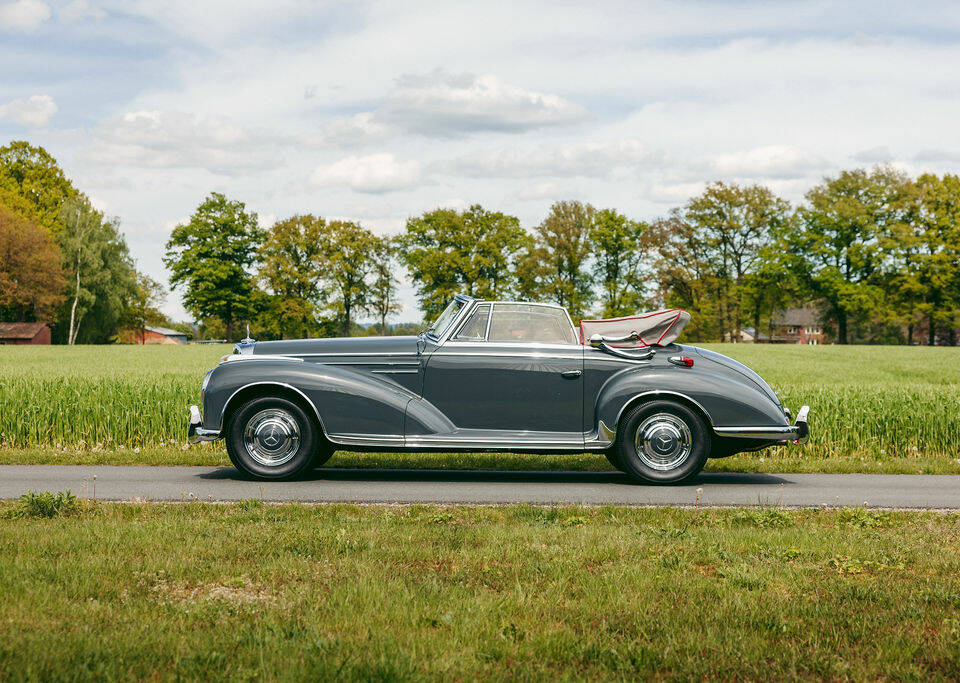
379,111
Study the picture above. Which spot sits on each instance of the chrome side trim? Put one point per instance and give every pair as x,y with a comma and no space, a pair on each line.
395,372
505,355
399,354
448,442
790,433
369,362
248,357
366,439
306,398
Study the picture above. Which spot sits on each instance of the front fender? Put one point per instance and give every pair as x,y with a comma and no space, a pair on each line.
346,402
724,398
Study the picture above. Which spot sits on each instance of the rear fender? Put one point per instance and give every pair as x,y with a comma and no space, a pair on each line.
723,399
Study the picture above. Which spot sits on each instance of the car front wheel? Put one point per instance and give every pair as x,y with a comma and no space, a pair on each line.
273,438
663,442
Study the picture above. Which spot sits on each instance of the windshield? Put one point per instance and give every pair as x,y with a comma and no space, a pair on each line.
446,318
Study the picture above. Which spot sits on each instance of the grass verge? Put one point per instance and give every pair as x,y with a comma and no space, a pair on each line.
422,592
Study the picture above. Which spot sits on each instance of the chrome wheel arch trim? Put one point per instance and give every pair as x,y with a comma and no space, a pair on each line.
666,393
226,405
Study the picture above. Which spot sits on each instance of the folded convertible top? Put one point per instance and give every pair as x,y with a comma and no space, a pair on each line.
652,329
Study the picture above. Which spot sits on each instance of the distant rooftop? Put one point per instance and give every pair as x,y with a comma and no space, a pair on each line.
796,317
20,330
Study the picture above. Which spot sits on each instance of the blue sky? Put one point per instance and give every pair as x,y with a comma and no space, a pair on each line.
376,111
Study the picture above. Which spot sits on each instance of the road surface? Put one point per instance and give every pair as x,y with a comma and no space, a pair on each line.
329,485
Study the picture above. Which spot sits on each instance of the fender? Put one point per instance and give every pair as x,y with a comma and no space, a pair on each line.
347,403
725,398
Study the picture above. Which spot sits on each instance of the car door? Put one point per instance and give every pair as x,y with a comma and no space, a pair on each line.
510,368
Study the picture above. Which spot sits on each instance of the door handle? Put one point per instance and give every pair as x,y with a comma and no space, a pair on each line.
571,374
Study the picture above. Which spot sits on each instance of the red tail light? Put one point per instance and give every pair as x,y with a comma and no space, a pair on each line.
683,361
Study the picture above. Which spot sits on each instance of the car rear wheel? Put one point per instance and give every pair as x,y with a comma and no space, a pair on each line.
273,438
663,442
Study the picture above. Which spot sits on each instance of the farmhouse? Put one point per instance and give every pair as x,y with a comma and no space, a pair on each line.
152,335
24,333
796,326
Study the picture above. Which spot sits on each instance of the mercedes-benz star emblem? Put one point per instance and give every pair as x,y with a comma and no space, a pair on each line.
271,439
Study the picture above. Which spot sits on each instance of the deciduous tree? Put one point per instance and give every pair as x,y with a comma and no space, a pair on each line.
348,248
560,257
31,280
617,246
210,258
383,288
837,250
293,264
471,251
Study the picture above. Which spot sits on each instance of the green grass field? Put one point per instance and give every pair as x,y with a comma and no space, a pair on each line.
252,591
874,409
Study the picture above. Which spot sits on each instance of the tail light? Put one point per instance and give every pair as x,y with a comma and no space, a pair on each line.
682,361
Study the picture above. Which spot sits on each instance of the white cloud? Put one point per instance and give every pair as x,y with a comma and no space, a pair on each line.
442,104
174,139
23,15
771,161
34,112
374,173
591,159
354,131
78,10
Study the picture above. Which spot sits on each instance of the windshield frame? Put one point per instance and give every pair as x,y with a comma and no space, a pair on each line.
453,311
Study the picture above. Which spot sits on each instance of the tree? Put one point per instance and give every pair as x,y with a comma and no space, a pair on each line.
556,266
383,289
837,251
348,248
31,281
100,274
686,277
36,176
210,257
737,225
924,255
618,258
144,306
293,265
470,252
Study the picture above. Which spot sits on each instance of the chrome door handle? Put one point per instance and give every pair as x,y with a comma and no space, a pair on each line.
571,374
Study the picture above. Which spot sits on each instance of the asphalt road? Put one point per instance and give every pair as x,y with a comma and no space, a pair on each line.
330,485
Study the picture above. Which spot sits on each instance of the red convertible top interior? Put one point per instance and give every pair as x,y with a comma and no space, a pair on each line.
651,329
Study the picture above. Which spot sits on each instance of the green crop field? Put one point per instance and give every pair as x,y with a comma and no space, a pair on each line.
893,409
259,592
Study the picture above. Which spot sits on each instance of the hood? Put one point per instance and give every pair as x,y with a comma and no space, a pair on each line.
340,345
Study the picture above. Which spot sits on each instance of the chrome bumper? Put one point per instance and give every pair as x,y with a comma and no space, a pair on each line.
195,432
798,432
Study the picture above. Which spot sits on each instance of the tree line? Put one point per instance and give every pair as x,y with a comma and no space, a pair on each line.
876,251
61,260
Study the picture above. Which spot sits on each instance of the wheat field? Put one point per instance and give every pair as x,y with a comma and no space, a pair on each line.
867,403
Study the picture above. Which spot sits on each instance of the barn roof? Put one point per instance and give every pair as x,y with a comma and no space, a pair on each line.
20,330
166,331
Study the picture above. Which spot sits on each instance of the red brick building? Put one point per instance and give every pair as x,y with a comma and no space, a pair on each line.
796,326
152,335
24,333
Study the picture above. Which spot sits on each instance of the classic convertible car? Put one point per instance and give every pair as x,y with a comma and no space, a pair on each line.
493,376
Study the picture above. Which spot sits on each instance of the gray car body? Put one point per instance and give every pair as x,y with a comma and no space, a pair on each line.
429,393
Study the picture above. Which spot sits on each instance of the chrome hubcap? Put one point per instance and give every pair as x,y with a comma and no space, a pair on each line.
663,441
272,437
